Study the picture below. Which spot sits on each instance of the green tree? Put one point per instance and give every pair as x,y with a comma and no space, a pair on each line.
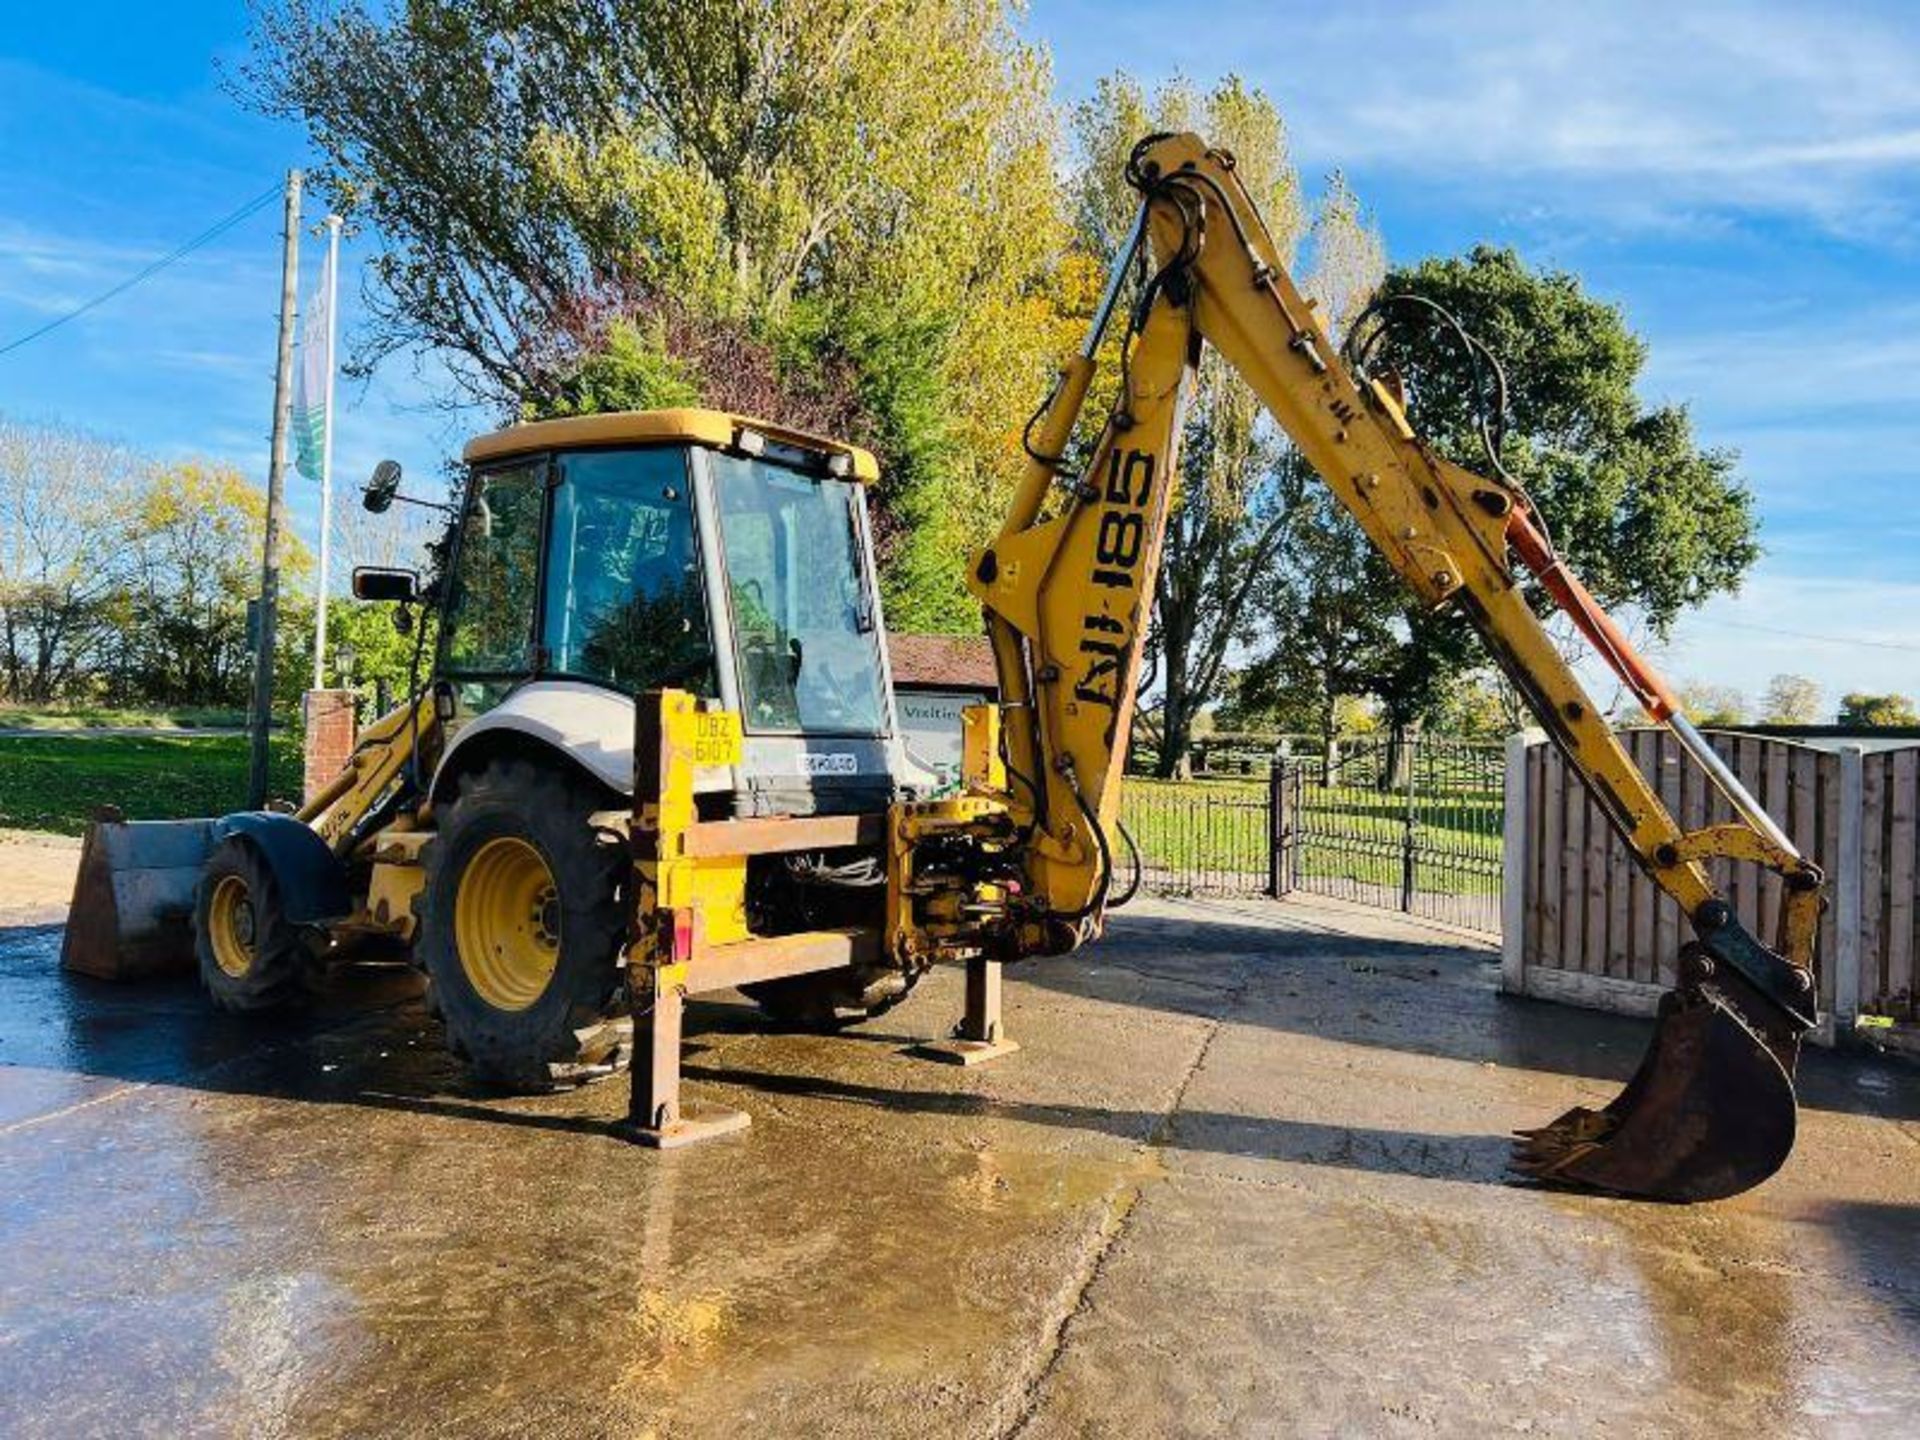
1650,520
634,369
374,656
1791,700
1241,487
1877,711
1337,637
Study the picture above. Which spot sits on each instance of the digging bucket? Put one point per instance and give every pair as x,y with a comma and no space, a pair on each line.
1710,1112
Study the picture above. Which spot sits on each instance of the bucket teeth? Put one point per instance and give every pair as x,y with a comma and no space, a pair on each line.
1538,1153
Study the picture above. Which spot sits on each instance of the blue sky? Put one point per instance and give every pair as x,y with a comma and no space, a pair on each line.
1743,178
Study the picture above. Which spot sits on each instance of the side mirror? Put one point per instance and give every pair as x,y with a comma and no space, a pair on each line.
377,498
377,582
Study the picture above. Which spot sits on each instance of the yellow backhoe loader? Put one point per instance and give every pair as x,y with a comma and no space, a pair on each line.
656,752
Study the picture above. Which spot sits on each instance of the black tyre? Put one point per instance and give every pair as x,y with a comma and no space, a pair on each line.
829,1000
521,923
251,957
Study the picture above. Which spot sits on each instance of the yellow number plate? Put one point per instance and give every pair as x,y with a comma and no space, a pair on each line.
716,738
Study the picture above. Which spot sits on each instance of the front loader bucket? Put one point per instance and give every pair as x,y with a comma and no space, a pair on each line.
1709,1113
132,912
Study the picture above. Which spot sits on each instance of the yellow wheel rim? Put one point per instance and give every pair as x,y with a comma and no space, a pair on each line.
230,926
506,923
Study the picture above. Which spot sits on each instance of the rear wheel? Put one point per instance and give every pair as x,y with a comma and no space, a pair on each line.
520,929
251,957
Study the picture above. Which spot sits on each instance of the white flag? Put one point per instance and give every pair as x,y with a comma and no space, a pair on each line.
310,418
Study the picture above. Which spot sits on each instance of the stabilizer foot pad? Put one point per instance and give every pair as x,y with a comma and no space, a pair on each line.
697,1122
964,1052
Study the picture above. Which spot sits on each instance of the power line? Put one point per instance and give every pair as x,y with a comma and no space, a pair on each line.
211,233
1809,635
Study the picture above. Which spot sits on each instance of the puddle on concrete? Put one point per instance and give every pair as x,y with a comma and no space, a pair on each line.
1716,1308
1028,1183
242,1256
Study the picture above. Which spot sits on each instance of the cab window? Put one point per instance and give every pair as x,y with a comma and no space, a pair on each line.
806,648
624,603
489,614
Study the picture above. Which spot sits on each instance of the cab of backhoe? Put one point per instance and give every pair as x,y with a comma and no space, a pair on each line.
600,557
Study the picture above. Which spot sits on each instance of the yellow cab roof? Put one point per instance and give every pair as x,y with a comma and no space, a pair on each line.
715,428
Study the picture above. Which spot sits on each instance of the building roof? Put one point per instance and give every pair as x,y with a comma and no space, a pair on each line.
942,662
717,428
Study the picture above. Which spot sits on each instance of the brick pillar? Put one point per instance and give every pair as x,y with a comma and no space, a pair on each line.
331,731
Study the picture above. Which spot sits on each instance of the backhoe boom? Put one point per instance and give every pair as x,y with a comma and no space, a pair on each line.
1067,587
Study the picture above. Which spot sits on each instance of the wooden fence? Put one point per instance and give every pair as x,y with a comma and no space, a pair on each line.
1581,923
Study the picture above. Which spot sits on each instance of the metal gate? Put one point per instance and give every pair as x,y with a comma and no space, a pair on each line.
1414,827
1201,837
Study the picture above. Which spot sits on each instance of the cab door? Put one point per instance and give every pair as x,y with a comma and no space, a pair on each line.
493,588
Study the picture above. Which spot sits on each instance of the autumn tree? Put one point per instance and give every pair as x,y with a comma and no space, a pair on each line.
858,199
1481,707
1241,484
1868,711
61,543
1705,703
1791,700
193,533
127,581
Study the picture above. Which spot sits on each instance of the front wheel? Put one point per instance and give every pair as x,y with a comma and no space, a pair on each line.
521,923
251,956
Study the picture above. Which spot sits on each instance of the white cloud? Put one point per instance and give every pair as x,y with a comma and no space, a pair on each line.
47,271
1799,365
1646,107
209,362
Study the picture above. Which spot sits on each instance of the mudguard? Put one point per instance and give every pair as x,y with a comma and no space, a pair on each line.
312,881
590,724
781,774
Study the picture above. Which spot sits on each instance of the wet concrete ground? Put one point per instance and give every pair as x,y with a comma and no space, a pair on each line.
1244,1177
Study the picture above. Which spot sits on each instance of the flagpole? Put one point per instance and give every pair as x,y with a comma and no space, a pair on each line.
326,459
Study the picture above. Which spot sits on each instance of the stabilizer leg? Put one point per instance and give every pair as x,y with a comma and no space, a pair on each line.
656,1115
981,1034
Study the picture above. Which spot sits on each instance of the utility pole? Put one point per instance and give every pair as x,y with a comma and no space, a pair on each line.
262,709
332,301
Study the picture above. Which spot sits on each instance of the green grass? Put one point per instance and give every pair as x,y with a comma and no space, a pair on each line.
1467,818
55,783
1383,872
85,717
1218,825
